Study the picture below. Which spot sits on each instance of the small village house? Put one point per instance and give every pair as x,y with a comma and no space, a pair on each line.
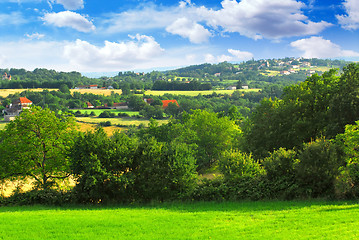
16,108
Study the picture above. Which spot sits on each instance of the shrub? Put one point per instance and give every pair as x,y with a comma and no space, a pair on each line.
103,166
280,172
164,171
236,165
107,114
44,197
123,114
317,168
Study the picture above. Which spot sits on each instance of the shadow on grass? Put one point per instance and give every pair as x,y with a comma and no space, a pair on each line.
324,206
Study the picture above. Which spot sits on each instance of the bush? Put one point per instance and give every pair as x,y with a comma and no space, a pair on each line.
123,114
105,124
317,168
44,197
236,165
164,171
103,166
281,175
107,114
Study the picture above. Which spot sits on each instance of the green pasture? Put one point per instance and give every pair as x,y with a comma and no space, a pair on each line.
205,220
99,111
196,93
118,121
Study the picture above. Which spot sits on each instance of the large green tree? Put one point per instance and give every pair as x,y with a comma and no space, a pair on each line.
35,145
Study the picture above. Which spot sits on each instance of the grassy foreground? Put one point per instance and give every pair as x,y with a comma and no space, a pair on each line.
245,220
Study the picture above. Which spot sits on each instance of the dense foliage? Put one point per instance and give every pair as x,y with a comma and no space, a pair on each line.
302,145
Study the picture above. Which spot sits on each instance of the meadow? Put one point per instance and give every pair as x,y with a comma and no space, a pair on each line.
198,220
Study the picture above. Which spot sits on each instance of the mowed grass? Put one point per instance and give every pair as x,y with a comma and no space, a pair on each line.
208,220
196,93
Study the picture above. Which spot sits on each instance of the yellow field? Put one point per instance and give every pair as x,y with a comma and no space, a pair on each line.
196,93
6,92
270,73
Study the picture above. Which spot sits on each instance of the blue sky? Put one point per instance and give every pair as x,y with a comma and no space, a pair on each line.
114,35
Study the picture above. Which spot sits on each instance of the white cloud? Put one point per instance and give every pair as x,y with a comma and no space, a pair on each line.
122,55
261,18
317,47
14,18
195,32
69,19
236,56
351,20
255,19
70,4
35,36
240,55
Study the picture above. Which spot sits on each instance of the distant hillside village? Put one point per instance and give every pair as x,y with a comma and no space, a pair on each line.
225,75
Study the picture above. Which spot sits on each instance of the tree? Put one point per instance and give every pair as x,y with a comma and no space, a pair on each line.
35,145
103,165
212,135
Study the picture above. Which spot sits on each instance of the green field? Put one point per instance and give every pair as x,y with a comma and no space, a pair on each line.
2,125
196,93
209,220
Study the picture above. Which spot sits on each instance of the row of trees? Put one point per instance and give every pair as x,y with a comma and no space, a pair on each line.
290,148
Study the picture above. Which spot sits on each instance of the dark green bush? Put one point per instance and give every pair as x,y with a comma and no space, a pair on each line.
317,168
44,197
164,171
103,166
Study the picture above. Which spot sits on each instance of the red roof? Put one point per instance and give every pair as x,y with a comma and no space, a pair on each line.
166,102
24,100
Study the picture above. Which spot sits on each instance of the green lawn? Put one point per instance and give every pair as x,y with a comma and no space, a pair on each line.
2,125
246,220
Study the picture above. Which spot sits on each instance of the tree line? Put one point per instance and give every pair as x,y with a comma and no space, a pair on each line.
303,145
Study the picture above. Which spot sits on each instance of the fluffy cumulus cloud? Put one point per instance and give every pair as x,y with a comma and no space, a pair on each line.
255,19
121,55
236,55
261,18
350,21
317,47
186,28
69,19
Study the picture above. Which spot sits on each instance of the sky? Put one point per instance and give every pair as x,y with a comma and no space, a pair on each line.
92,36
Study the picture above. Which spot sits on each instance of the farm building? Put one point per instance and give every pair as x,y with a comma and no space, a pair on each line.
16,108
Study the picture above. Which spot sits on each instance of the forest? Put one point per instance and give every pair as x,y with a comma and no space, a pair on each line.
299,144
